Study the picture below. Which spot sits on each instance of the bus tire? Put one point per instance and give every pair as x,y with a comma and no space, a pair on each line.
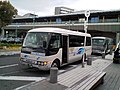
29,66
114,61
55,64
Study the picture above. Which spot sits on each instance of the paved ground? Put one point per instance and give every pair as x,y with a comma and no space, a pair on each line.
7,52
68,80
12,75
112,78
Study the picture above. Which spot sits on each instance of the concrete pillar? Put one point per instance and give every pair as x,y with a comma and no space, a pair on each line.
103,19
53,74
16,32
3,32
117,37
103,55
89,61
118,18
111,49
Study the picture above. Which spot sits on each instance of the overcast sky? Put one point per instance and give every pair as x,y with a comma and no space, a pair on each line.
47,7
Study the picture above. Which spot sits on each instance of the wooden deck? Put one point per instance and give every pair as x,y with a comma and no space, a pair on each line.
80,77
112,78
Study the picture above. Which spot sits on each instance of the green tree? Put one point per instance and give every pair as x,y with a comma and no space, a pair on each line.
7,12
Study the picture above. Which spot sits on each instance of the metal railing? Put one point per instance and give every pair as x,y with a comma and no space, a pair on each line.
67,22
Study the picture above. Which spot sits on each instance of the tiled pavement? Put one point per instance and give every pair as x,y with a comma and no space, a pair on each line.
111,80
66,81
6,52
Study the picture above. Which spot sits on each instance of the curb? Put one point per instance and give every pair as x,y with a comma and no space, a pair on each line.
8,53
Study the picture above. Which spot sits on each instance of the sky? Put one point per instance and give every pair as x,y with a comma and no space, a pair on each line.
47,7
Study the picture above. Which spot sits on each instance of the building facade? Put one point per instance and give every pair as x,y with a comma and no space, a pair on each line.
100,23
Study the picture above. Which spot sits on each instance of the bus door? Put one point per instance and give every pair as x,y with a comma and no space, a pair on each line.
64,49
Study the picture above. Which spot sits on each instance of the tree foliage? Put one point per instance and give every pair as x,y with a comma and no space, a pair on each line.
7,12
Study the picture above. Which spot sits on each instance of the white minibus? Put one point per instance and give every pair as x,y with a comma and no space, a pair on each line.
101,45
49,47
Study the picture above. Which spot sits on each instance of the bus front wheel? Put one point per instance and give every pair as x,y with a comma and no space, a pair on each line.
55,64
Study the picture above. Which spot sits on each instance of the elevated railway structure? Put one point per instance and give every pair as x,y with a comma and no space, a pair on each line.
100,23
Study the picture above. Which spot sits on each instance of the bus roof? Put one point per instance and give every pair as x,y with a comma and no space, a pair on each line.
99,37
59,30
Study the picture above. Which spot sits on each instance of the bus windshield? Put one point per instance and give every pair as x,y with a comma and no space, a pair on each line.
36,40
98,41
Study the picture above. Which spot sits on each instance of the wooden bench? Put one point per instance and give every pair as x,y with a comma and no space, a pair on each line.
90,82
82,78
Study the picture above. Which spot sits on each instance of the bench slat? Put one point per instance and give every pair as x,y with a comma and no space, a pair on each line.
77,79
95,81
70,80
92,81
85,82
89,82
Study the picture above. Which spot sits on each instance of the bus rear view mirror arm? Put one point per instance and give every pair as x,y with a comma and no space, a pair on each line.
44,44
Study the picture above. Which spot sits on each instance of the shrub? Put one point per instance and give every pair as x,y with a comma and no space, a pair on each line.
10,45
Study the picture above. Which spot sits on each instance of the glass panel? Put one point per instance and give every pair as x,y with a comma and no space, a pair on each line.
55,41
36,39
98,41
119,46
76,41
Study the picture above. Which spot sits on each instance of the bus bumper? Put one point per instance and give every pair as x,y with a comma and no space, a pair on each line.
41,67
97,52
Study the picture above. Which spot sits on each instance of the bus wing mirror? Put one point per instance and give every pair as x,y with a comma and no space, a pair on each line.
44,44
82,44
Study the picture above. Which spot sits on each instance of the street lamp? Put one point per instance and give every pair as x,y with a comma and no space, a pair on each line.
69,24
16,32
7,34
34,17
33,21
87,14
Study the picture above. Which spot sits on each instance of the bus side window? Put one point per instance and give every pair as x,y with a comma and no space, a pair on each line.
55,44
76,41
55,41
88,41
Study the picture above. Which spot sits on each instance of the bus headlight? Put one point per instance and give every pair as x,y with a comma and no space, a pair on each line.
39,63
43,63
